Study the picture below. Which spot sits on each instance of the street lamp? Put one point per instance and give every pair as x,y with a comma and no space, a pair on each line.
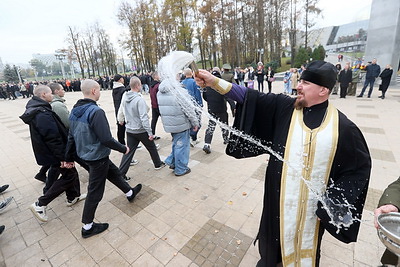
17,70
61,57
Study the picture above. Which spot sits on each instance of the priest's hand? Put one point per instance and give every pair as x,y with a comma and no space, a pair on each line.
383,209
203,78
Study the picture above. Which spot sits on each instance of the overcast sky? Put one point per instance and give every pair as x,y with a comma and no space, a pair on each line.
29,26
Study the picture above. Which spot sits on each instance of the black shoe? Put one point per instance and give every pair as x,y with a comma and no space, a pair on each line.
3,188
41,177
2,227
369,96
207,149
156,137
186,172
359,96
135,190
97,228
383,97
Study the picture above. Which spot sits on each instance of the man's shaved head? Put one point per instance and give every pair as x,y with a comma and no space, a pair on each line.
87,85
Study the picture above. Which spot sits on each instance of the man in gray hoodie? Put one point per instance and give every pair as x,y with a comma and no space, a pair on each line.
133,113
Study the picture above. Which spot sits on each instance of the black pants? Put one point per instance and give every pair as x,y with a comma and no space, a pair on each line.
43,170
343,90
269,86
52,176
121,133
99,171
223,117
68,182
260,85
54,172
133,141
155,113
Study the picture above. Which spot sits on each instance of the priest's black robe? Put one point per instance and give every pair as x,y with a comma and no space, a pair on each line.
267,117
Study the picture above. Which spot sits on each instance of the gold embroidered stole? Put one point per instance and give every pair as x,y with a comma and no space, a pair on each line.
308,154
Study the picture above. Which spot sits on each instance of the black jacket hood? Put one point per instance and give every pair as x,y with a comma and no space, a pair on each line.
34,106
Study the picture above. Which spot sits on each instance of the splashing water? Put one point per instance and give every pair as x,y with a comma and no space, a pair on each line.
168,67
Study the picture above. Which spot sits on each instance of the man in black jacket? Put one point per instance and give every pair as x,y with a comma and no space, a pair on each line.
49,139
345,78
118,90
216,104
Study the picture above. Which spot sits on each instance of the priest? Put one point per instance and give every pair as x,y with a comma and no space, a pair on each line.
319,167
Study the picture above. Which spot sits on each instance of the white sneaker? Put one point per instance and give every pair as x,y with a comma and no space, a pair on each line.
76,200
134,162
39,212
5,203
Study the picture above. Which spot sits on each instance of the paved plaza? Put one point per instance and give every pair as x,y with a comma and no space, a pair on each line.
209,217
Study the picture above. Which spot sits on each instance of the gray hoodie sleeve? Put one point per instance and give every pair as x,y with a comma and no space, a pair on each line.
144,117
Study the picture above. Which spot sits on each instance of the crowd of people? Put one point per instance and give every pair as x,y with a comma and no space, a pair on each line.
12,90
338,156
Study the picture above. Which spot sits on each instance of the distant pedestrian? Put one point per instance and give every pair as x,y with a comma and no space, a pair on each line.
117,92
287,82
155,112
194,92
386,75
355,79
373,71
294,80
216,104
345,77
260,73
336,87
270,78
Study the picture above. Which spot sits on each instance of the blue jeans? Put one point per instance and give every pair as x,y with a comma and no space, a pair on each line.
370,82
179,157
288,87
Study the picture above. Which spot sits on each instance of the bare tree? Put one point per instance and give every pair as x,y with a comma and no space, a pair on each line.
74,40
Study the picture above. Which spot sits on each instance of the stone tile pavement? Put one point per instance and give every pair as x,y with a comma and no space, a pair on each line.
207,218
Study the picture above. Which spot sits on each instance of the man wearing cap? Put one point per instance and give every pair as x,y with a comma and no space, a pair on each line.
311,141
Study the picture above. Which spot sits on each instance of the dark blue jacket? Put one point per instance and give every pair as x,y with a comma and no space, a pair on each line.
89,132
373,71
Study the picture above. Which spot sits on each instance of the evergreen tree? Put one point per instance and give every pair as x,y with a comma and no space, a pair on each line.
10,74
302,56
318,53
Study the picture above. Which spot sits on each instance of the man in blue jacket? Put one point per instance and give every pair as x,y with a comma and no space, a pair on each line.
194,92
373,71
91,137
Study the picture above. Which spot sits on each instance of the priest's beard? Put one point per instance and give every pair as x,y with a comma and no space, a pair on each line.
299,104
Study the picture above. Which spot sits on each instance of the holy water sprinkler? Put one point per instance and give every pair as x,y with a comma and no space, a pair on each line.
194,67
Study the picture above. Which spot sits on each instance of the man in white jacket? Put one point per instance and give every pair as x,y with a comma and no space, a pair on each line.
133,112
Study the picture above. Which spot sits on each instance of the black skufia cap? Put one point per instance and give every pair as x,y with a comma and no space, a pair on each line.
321,73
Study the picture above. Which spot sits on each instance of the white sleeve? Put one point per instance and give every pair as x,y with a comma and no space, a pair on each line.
121,110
